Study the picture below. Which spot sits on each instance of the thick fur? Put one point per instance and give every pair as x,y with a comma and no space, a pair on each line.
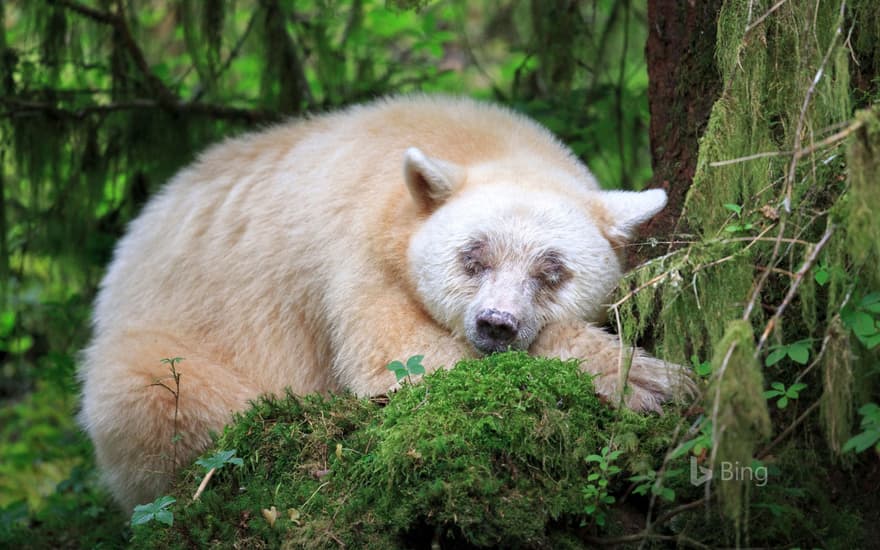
310,255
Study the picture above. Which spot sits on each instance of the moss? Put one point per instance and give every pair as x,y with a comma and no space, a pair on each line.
491,453
737,409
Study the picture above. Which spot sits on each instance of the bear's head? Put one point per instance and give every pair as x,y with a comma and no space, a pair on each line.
507,247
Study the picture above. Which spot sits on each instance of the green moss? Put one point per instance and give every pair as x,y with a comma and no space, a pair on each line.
491,453
737,409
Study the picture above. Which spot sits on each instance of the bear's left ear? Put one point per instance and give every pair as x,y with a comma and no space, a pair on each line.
430,181
629,209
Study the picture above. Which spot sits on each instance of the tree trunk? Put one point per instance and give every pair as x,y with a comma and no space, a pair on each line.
683,85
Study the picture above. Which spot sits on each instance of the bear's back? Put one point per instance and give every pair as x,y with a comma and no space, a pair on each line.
245,245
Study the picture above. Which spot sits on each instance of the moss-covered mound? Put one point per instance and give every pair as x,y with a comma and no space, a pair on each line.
500,452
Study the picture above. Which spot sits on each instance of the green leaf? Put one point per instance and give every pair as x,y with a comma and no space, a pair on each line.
799,352
863,324
862,441
783,402
682,449
775,356
156,510
220,459
822,276
778,385
871,302
870,342
769,394
20,345
414,365
395,366
735,208
7,322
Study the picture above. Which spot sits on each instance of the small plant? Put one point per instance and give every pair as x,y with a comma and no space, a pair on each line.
154,511
822,274
413,367
799,352
870,435
596,490
702,368
654,483
175,375
698,445
741,225
863,318
220,459
785,394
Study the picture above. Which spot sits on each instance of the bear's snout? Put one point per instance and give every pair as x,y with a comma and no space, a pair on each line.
496,330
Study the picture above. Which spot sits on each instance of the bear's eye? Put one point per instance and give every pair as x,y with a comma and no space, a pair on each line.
551,270
473,259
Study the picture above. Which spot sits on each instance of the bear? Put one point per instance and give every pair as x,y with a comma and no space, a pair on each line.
307,256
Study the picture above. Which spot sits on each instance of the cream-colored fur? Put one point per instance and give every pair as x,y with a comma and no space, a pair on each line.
311,254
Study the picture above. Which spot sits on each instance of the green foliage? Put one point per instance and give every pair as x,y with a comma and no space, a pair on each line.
778,249
870,434
785,394
596,491
735,401
154,511
413,367
220,459
799,352
863,318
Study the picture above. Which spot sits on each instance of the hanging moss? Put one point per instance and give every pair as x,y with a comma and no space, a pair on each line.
738,411
863,204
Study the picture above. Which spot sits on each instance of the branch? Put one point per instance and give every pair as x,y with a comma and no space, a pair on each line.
120,25
23,107
798,278
204,483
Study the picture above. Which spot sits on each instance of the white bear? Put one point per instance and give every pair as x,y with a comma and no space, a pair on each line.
310,255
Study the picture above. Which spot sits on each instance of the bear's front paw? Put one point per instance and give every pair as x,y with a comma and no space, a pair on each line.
649,383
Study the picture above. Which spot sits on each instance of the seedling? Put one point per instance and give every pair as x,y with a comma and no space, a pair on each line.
785,394
154,511
413,367
799,352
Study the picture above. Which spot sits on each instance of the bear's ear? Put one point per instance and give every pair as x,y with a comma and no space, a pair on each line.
629,209
430,181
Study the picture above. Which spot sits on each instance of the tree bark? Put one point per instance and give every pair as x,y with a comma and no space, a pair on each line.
683,85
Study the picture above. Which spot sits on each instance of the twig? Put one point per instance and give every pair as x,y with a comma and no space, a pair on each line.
789,182
800,153
23,107
233,53
795,284
204,483
766,450
761,19
120,25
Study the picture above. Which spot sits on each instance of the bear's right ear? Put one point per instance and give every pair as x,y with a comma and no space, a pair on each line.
430,181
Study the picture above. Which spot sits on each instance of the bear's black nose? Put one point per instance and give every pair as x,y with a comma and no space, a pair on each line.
495,330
